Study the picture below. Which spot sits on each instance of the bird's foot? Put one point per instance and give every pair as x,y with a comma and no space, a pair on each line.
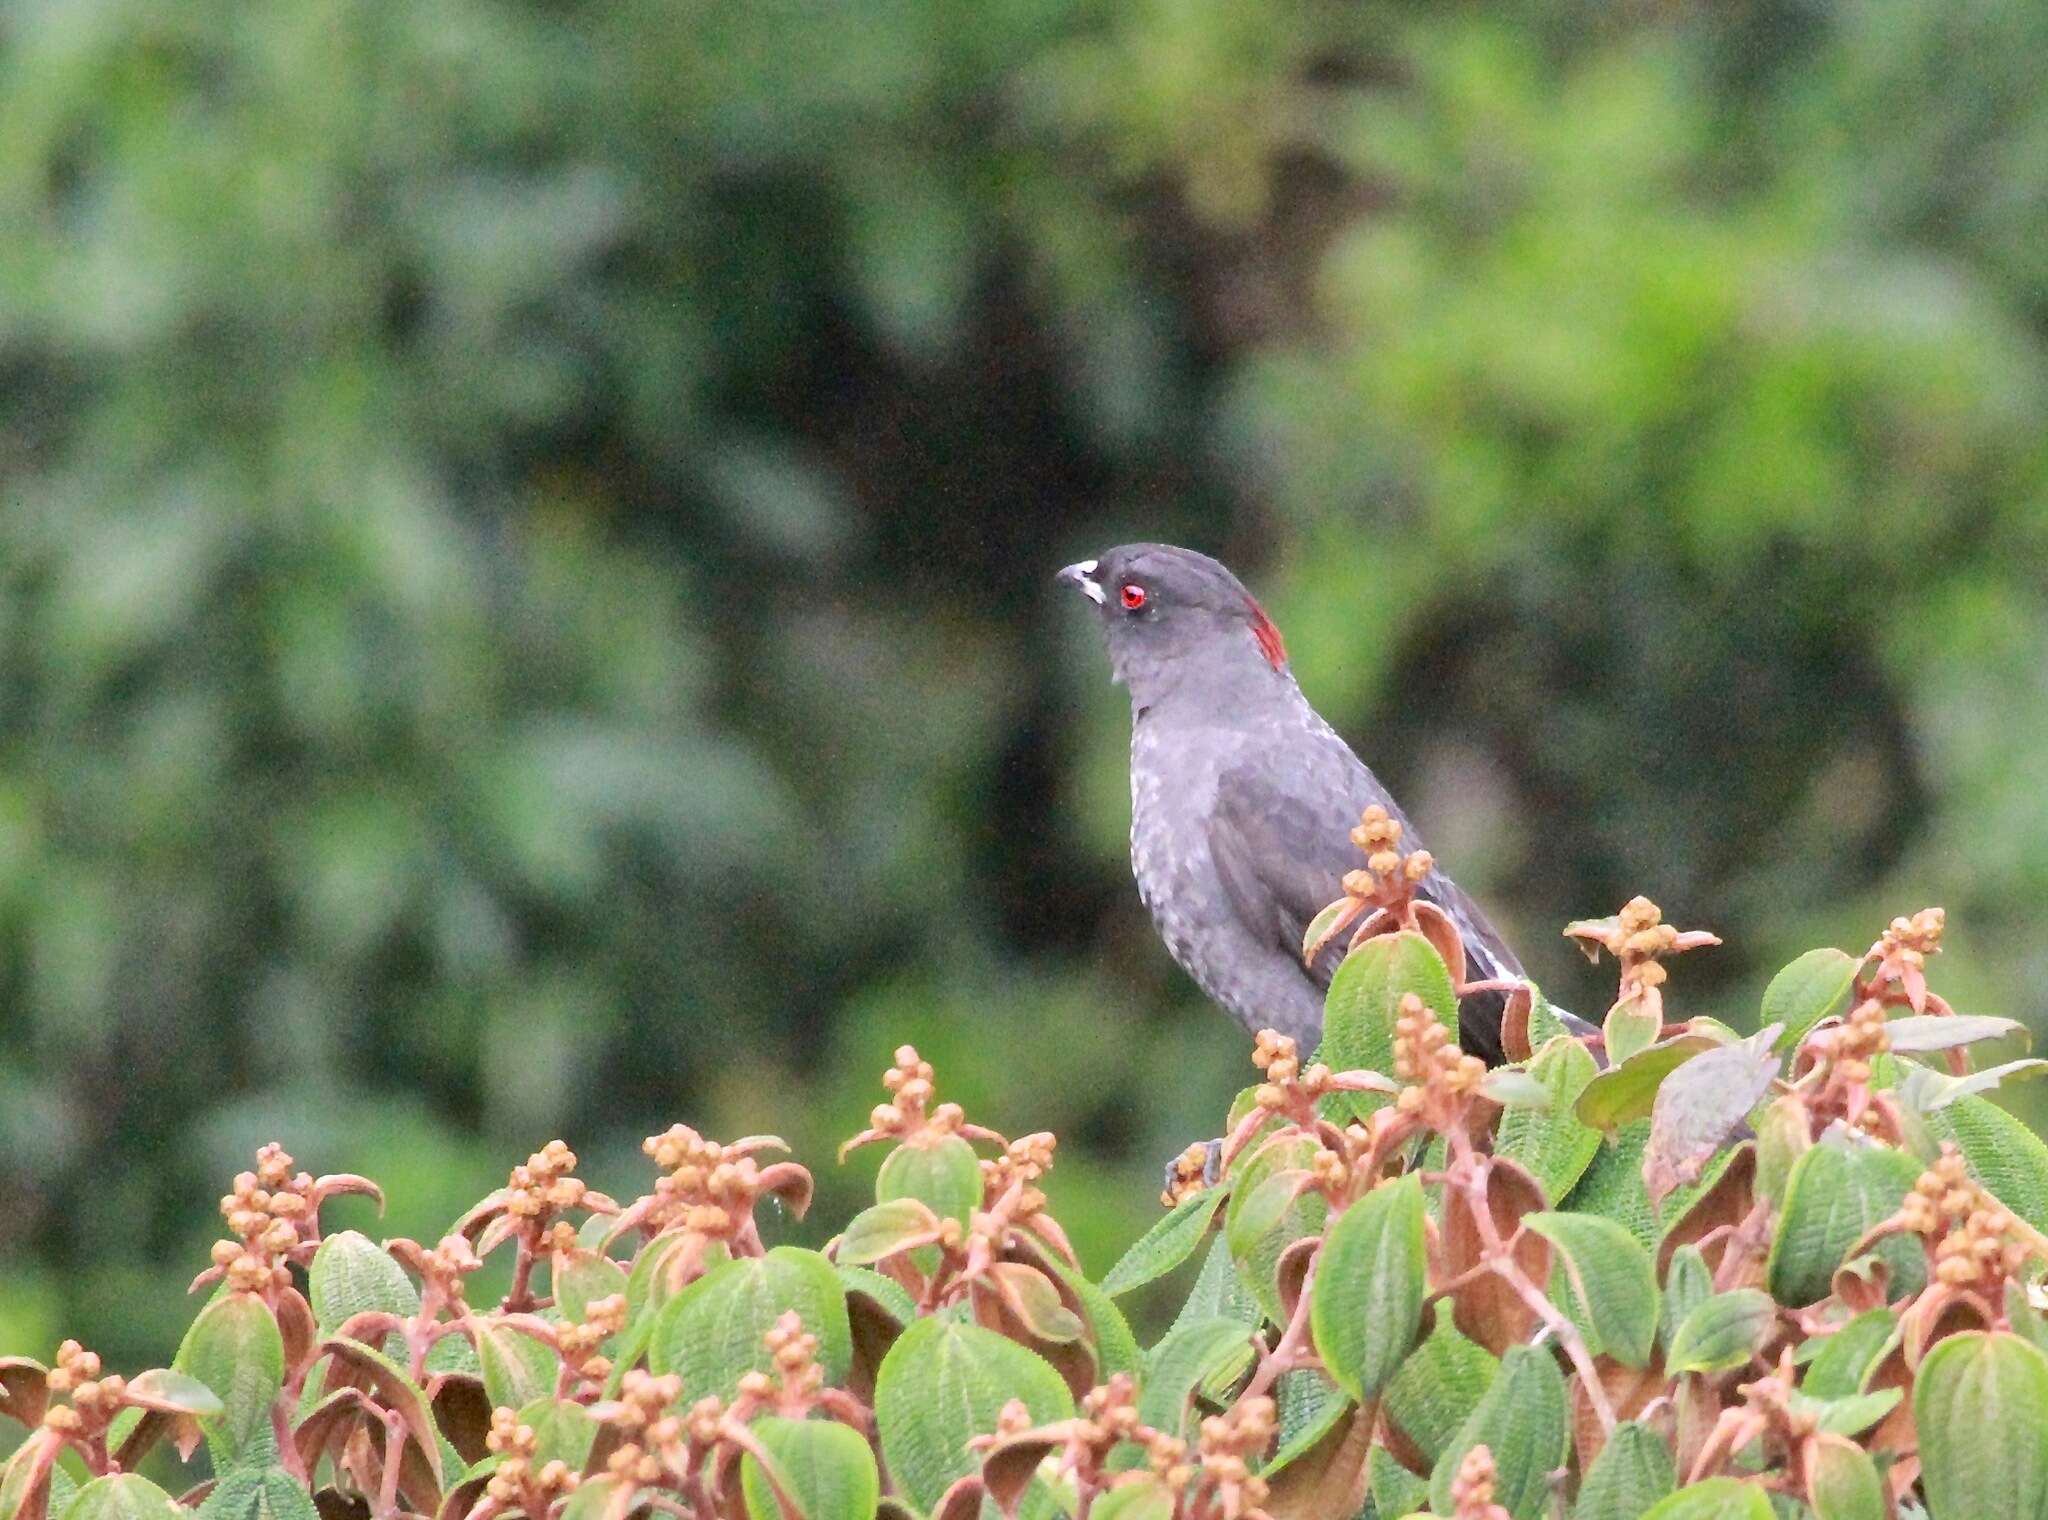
1199,1166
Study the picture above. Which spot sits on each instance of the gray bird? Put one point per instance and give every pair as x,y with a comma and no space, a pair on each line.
1243,798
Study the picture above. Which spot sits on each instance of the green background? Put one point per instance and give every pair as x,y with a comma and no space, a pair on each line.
525,537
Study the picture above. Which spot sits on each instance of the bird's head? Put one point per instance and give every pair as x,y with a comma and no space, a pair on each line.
1167,612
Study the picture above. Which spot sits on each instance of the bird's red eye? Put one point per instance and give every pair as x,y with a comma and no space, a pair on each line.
1133,596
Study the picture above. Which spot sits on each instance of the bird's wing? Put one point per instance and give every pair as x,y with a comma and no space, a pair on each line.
1282,854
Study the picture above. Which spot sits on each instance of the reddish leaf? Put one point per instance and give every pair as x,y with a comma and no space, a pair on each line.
1035,1301
296,1324
24,1390
462,1412
1444,937
1727,1202
1700,1105
354,1365
1009,1467
962,1501
328,1425
1486,1309
1328,1481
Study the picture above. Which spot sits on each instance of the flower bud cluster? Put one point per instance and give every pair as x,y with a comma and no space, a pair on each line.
271,1211
1971,1238
1227,1446
517,1482
95,1400
1472,1488
1438,1073
710,1188
602,1319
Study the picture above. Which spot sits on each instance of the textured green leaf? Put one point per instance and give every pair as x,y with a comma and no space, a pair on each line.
258,1493
826,1469
1845,1358
886,1291
350,1275
1554,1145
1523,1421
1715,1499
584,1280
712,1332
1439,1386
1836,1192
1168,1243
235,1349
1366,1307
1628,1091
563,1430
1784,1133
1308,1406
941,1171
1219,1292
1268,1212
1633,1471
1926,1091
1849,1415
1364,1000
120,1496
1395,1490
1188,1357
2003,1154
517,1369
1145,1499
1612,1185
1614,1278
1721,1333
1116,1348
647,1281
942,1384
1807,991
1844,1484
1688,1283
1922,1033
1980,1403
885,1229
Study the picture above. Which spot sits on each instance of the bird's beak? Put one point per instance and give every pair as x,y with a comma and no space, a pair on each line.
1081,576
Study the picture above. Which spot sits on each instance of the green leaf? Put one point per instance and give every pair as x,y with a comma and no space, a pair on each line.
1843,1483
825,1468
1784,1133
1512,1087
1188,1357
235,1349
258,1493
1836,1192
120,1496
1268,1211
1980,1403
1363,1002
583,1280
1116,1349
173,1393
1439,1386
565,1431
1553,1144
1170,1241
1366,1305
712,1332
517,1369
940,1171
1523,1420
647,1282
1807,991
1921,1033
886,1291
1845,1358
1628,1091
1146,1499
1219,1293
1701,1105
1309,1406
1395,1490
1723,1332
350,1275
1630,1026
944,1383
2004,1155
1848,1416
1688,1283
885,1229
1715,1499
1612,1186
1927,1091
1614,1278
1633,1471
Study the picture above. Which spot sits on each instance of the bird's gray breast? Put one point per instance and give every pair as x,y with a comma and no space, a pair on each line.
1175,773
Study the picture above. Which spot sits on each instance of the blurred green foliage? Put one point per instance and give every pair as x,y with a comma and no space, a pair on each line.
524,532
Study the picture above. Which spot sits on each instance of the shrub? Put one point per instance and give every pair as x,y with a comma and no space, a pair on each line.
1718,1276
